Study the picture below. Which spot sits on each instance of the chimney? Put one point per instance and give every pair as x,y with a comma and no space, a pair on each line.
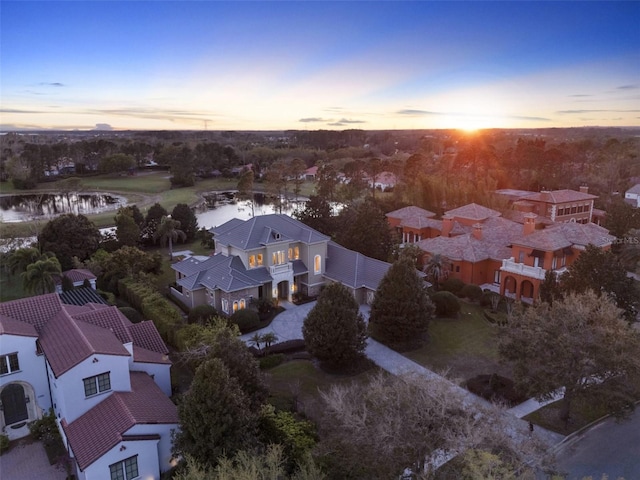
477,231
584,189
545,195
529,223
447,225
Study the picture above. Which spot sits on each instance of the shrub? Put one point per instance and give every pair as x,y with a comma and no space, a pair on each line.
67,284
4,443
496,388
201,314
472,292
132,314
447,304
271,361
247,320
453,285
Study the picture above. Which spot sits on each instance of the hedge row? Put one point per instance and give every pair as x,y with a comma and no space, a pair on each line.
154,306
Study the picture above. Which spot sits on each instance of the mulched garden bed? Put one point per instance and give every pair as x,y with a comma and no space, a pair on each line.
496,388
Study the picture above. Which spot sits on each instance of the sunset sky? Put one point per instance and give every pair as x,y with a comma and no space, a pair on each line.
318,65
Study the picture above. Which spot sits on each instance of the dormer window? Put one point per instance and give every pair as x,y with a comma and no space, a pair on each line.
276,235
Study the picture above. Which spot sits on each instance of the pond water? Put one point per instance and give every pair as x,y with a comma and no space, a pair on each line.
221,207
20,208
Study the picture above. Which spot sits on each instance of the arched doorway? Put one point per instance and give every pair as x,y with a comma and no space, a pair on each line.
510,286
14,404
526,290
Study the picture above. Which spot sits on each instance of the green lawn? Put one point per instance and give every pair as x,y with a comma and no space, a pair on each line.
465,346
302,379
582,414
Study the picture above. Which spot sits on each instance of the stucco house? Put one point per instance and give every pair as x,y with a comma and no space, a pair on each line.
511,257
632,196
106,380
271,256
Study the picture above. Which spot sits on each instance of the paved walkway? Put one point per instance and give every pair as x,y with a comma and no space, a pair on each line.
27,460
288,326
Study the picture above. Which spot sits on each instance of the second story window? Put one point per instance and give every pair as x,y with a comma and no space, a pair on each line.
255,260
277,258
97,384
294,253
317,264
9,363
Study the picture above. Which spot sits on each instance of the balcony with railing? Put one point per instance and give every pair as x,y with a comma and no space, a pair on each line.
283,268
511,266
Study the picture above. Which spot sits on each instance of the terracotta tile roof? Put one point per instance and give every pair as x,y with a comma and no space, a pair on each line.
11,326
561,235
497,234
411,211
109,318
145,335
67,342
142,355
35,311
518,216
76,275
559,196
473,211
103,427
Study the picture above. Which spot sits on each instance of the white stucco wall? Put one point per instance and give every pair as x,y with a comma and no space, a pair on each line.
165,457
146,450
68,389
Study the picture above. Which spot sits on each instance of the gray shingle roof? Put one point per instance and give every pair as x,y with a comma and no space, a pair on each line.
264,229
352,268
635,189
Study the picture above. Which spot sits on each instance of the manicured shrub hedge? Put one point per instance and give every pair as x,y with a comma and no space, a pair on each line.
472,292
453,285
132,314
153,306
201,314
496,388
271,361
447,304
247,320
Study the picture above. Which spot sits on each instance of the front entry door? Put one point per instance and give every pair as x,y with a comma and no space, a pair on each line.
14,404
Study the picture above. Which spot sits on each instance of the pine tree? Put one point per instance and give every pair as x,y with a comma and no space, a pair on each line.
401,309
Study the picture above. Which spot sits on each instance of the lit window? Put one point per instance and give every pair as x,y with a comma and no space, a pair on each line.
317,264
278,257
124,470
97,384
9,363
294,253
259,259
252,261
243,305
235,307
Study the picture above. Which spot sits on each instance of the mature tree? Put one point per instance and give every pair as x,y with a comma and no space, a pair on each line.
334,331
20,259
69,236
245,187
317,214
127,262
374,168
39,277
621,217
297,169
435,270
152,221
135,213
630,251
599,270
127,230
550,287
168,232
401,309
327,182
216,417
188,220
580,343
376,430
117,163
364,228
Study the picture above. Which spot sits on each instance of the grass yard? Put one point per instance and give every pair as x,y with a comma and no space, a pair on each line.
582,414
11,288
303,380
464,347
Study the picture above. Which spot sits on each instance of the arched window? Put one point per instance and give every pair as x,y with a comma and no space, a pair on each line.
235,307
243,305
317,264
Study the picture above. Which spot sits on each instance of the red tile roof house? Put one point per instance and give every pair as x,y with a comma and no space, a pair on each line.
77,277
483,248
106,379
271,256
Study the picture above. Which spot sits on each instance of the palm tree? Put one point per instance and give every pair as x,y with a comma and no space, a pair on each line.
22,258
169,231
269,338
435,269
38,278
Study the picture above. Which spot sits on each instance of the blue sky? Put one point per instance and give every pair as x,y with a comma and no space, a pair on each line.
310,65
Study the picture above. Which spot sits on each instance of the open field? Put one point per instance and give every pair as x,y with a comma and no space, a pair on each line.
464,347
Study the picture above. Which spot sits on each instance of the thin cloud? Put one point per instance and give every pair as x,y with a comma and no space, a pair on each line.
571,112
16,110
580,95
312,119
415,112
409,111
52,84
628,87
344,120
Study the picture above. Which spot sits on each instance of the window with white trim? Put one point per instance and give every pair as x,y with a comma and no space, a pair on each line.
9,363
317,264
277,258
242,305
235,307
225,305
126,469
97,384
294,253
